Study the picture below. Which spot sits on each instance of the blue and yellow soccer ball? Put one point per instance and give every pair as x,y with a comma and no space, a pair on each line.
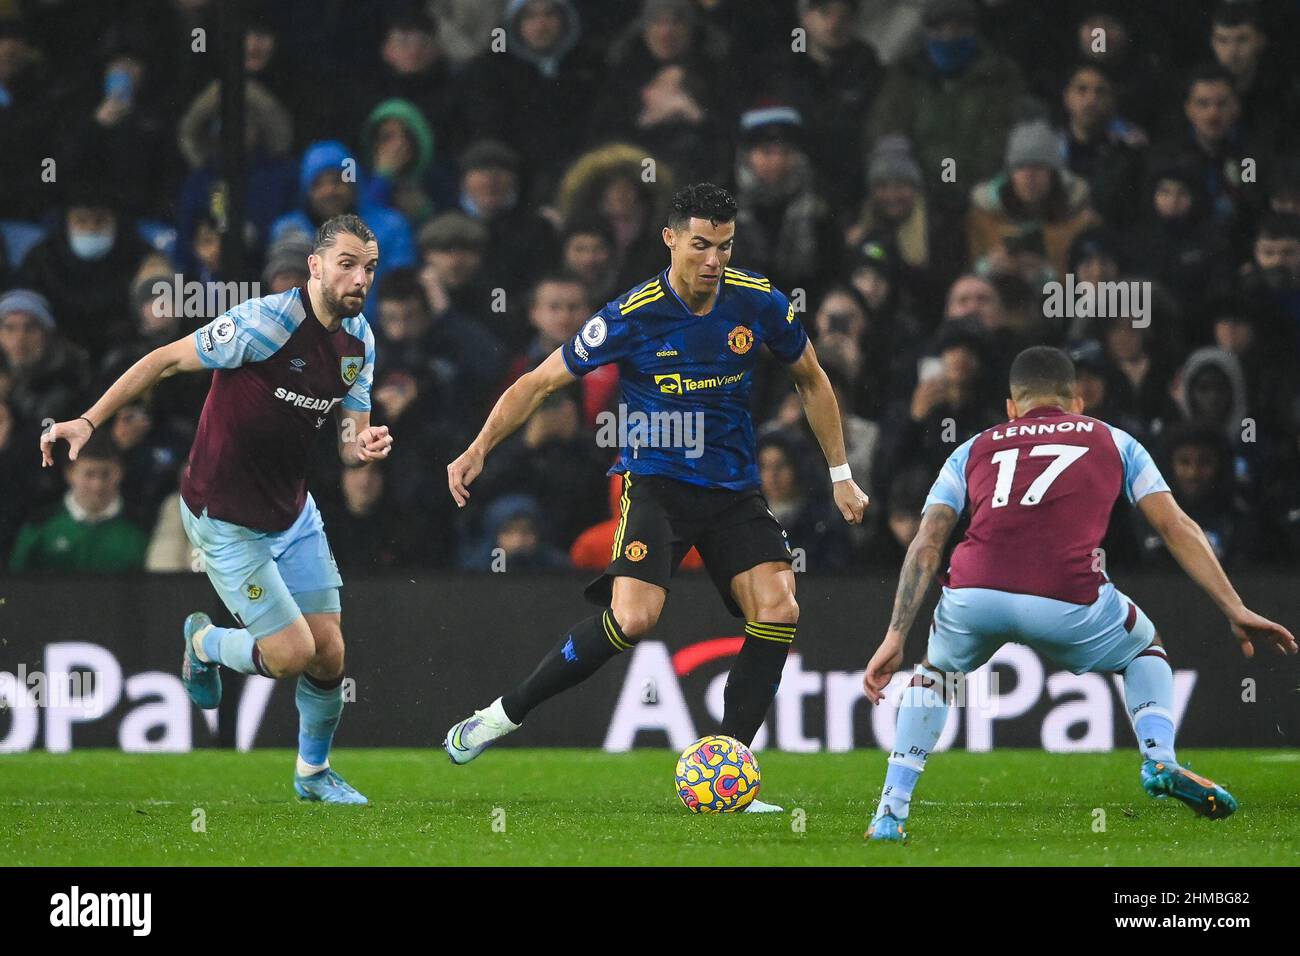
717,774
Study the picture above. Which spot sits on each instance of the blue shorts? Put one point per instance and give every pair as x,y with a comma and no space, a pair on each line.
970,624
267,579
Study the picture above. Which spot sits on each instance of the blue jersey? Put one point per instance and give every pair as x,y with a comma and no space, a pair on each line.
686,379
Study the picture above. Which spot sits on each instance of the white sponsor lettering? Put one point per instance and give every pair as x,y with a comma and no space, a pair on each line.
1041,428
298,400
1081,715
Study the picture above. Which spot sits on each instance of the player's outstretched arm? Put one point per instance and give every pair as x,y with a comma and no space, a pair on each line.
1188,544
824,416
361,442
919,567
512,409
162,362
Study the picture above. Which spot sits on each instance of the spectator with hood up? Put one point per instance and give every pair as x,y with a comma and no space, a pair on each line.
536,95
328,184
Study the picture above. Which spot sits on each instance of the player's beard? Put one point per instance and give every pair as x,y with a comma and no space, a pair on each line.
341,306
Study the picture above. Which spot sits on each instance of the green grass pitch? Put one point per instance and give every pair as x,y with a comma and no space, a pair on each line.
563,807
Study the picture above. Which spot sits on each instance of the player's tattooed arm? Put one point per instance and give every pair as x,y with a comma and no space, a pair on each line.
515,406
163,362
920,565
1189,546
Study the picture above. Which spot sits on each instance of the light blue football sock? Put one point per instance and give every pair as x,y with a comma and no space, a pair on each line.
319,711
232,647
1149,694
922,712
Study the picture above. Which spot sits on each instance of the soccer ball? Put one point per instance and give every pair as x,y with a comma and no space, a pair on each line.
717,774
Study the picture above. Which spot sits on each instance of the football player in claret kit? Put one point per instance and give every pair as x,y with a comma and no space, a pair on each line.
686,343
282,364
1040,490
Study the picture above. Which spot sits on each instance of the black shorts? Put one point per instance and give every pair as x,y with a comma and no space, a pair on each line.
661,519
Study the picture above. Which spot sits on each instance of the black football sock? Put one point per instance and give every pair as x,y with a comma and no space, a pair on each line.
578,655
754,678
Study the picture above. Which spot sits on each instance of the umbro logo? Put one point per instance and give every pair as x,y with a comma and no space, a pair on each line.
297,365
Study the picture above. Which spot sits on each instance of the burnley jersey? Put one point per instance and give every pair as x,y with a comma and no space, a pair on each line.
686,379
278,375
1040,491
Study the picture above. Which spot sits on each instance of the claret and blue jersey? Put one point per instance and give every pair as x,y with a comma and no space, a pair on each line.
278,375
1040,491
674,364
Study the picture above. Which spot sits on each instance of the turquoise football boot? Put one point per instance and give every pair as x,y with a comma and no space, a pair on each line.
202,679
888,827
1160,779
327,787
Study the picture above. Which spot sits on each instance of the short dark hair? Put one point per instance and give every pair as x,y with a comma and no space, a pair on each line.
402,285
701,201
349,223
1040,372
1279,225
1236,13
554,277
1208,73
100,447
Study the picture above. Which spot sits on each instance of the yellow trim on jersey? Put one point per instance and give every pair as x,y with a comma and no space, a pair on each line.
731,271
612,634
624,502
639,298
626,309
748,282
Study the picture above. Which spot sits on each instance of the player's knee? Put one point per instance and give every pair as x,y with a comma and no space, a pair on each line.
327,637
635,620
288,652
781,608
327,663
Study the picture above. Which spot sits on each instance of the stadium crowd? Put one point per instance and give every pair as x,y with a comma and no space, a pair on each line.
915,174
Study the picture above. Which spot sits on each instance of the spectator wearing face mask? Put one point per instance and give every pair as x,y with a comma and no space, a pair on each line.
87,532
956,99
85,266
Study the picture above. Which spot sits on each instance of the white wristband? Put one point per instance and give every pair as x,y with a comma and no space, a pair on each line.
841,473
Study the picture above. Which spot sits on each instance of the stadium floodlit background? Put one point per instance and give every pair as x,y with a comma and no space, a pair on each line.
915,174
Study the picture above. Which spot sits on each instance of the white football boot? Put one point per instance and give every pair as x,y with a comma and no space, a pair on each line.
467,739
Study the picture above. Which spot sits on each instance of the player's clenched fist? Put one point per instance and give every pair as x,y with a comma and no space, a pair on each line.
461,472
851,500
374,443
76,433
